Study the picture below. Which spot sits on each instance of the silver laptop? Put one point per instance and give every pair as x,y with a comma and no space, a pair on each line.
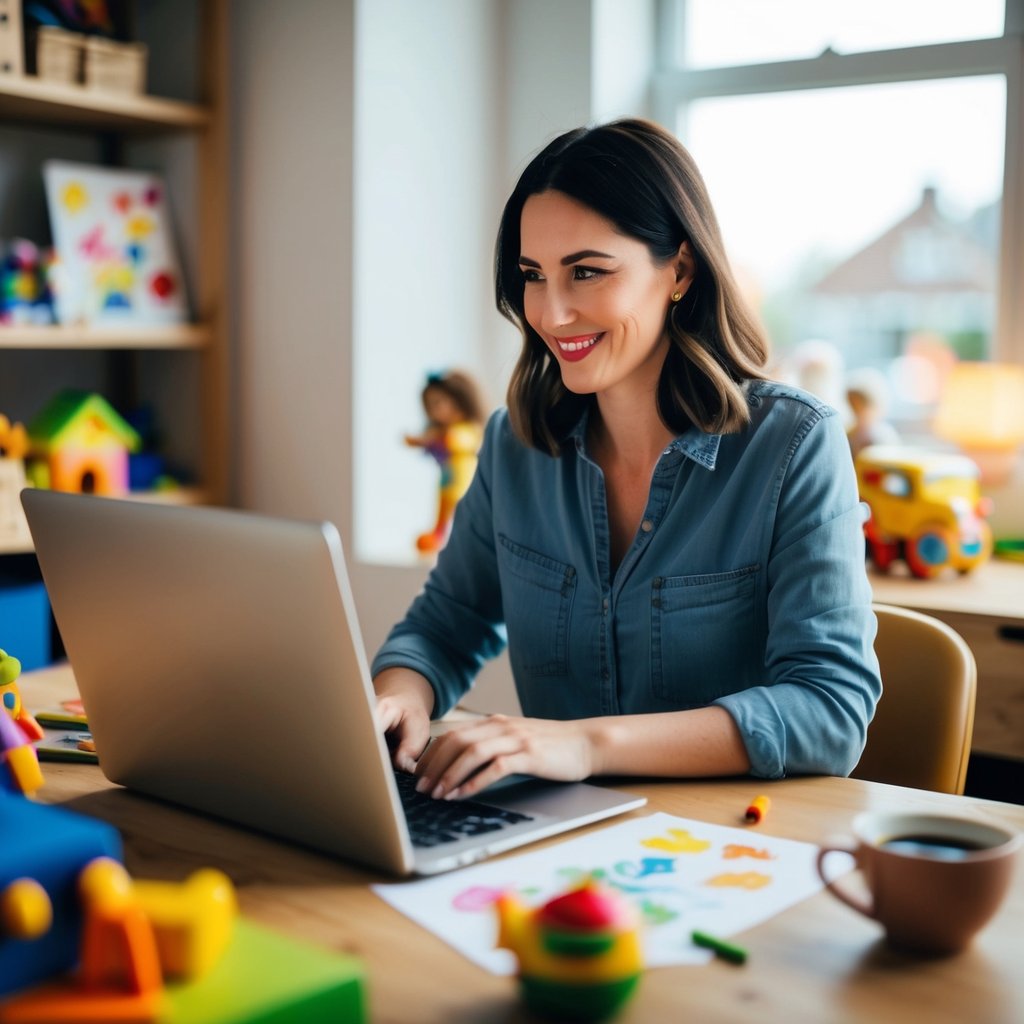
221,665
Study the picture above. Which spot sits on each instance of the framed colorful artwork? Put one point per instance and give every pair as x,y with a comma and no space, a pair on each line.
115,259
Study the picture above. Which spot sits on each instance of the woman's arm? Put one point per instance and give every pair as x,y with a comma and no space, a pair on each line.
455,624
471,756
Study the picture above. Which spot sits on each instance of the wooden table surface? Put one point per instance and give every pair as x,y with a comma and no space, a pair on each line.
817,961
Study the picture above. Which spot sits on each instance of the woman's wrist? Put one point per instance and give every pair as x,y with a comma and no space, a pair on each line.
598,735
406,686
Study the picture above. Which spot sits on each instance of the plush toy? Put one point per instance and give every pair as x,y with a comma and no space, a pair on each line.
24,290
455,418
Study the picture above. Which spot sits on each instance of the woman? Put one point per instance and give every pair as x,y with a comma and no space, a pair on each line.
672,544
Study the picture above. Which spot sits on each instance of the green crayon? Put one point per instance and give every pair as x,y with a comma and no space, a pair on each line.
726,950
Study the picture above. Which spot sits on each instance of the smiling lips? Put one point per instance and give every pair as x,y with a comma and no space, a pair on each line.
574,349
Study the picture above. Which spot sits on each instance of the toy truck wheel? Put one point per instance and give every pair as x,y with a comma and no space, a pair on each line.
883,553
929,551
882,549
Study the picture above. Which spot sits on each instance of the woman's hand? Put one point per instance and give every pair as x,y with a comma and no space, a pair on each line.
404,702
472,755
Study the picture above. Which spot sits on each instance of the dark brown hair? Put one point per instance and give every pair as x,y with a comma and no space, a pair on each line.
640,177
462,389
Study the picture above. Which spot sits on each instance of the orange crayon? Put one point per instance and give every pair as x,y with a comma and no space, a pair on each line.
758,809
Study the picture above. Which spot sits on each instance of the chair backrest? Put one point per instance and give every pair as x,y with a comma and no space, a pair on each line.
921,733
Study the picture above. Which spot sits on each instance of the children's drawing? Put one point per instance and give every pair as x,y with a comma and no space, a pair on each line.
696,881
749,880
734,850
115,256
678,840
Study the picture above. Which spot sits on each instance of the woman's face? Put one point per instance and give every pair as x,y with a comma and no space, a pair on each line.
595,296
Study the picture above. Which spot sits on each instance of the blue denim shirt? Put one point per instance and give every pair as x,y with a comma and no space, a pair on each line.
744,587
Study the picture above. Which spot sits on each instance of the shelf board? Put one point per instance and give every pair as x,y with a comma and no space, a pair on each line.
27,98
69,336
16,544
20,543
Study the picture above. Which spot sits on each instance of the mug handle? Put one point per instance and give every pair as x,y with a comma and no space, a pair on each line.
861,906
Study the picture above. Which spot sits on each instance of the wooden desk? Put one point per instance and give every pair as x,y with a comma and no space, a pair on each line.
816,962
986,607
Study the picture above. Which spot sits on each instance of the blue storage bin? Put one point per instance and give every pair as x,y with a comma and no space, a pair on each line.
25,630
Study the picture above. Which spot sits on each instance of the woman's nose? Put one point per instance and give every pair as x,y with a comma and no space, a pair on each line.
557,310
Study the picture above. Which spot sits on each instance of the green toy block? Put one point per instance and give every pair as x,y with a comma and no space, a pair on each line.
267,978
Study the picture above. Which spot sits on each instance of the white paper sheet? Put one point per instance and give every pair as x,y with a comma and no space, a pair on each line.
682,875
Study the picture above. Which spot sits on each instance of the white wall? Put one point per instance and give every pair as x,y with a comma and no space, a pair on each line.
426,203
291,118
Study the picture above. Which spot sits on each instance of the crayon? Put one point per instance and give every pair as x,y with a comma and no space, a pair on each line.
758,809
725,950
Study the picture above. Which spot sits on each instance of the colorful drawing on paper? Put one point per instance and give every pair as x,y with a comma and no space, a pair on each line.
115,257
681,875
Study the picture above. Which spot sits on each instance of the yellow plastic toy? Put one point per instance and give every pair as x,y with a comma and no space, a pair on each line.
926,507
579,954
455,418
192,921
10,696
13,450
25,910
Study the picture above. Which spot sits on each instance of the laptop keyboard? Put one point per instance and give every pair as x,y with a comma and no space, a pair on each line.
433,822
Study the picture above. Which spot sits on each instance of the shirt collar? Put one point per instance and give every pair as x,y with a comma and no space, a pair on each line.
693,443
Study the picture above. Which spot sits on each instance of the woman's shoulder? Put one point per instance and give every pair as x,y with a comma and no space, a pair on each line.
771,394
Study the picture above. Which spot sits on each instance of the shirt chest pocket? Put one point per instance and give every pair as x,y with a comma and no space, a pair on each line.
702,628
536,594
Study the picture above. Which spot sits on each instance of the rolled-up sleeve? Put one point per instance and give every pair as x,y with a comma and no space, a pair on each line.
455,623
822,679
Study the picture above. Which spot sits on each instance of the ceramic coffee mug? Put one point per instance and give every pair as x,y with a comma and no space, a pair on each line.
933,881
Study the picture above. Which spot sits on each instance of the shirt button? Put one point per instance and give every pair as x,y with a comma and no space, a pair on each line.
647,526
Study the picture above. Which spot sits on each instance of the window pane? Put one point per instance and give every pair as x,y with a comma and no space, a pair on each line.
864,221
720,33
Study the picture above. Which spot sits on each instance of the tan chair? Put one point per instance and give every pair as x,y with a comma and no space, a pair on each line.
921,733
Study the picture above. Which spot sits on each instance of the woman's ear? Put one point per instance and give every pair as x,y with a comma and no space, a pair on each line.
685,266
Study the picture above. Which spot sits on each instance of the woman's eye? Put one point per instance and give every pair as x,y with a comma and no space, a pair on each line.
530,274
585,273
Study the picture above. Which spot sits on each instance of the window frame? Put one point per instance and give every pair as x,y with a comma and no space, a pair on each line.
673,87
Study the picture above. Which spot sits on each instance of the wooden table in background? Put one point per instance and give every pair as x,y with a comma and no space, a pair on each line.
986,607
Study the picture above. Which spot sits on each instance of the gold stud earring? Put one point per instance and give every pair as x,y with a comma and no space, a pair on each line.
676,296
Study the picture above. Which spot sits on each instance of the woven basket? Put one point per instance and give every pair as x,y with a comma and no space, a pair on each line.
117,67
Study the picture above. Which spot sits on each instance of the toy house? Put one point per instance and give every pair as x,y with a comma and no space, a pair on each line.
80,443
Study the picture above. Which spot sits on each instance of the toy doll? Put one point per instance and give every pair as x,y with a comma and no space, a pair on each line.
866,394
455,418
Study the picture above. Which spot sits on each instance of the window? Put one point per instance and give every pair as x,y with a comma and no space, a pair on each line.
856,154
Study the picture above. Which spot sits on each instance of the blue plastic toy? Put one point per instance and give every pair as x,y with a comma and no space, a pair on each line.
49,847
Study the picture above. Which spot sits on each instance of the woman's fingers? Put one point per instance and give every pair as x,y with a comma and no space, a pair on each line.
454,759
407,731
468,758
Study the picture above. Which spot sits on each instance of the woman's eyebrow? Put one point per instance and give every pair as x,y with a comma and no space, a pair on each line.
573,257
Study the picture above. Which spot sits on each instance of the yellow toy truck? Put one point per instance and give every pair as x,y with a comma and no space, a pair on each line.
926,508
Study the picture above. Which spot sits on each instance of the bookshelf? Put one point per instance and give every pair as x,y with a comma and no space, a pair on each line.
183,369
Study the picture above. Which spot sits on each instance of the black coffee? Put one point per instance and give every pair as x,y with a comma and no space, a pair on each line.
939,847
